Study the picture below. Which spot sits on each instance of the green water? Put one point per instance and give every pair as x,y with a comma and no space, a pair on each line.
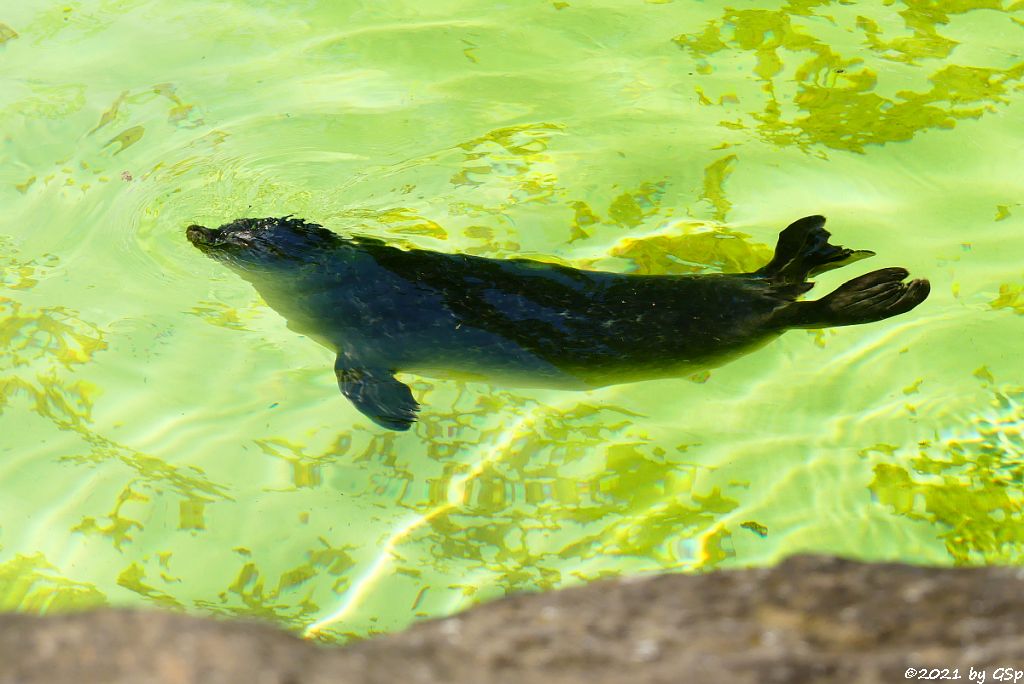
166,441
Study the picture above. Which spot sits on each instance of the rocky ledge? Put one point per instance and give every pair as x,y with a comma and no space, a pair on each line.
810,619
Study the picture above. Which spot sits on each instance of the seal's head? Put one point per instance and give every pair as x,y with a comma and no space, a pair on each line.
263,244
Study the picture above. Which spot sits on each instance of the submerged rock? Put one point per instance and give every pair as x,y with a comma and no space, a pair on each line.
809,619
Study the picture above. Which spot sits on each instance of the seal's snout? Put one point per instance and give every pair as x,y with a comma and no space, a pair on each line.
198,235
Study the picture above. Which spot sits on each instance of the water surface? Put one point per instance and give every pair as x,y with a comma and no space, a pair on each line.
166,441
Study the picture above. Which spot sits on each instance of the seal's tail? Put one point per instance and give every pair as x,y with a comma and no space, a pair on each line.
803,251
868,298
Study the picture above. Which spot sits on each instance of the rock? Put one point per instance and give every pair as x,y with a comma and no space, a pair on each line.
809,619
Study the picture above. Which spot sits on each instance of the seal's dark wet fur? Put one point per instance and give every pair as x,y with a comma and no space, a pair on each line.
516,321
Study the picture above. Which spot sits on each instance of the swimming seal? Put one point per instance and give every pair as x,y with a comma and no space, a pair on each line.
520,322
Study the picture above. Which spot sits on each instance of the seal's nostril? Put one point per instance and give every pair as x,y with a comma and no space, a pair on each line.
197,234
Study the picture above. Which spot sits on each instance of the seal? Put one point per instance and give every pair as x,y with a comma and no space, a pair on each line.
526,323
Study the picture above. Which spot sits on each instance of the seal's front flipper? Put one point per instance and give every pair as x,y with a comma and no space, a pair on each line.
803,251
871,297
377,395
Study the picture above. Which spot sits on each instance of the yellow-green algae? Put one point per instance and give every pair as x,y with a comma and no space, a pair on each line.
967,484
818,97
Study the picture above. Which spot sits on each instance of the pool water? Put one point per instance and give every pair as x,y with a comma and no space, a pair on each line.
166,441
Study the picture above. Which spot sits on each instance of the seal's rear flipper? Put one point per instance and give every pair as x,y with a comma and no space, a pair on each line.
871,297
803,251
377,395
